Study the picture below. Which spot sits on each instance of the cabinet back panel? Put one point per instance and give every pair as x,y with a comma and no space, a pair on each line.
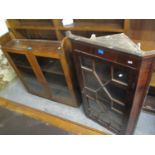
38,34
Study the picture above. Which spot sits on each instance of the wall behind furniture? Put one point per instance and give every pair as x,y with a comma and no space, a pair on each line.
7,73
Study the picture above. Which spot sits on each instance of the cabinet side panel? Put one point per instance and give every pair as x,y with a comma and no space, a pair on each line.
142,86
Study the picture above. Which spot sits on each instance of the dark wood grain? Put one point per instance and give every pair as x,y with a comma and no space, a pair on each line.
137,86
54,51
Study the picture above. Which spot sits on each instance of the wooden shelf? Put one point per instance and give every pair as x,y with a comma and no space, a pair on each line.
93,27
52,29
105,25
34,27
54,68
31,24
78,27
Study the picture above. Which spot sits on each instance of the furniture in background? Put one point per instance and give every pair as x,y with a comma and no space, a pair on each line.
53,29
113,82
143,31
43,68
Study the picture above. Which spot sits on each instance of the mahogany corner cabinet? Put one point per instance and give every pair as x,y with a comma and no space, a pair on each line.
43,67
114,76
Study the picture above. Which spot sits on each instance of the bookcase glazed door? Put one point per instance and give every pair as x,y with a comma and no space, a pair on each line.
56,80
23,67
105,90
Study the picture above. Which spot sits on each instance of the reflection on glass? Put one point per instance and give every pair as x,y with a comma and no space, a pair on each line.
120,74
90,80
103,71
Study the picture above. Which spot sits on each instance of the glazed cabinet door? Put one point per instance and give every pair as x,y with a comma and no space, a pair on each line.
22,63
55,78
106,88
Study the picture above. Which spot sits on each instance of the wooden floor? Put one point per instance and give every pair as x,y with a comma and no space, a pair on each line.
68,126
13,123
64,124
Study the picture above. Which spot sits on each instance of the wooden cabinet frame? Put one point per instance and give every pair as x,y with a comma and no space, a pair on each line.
140,75
59,54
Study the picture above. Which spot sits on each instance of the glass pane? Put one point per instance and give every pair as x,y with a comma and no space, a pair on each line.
50,65
94,108
102,95
90,80
120,74
20,59
103,71
119,108
27,73
54,75
104,114
114,120
87,62
116,92
30,80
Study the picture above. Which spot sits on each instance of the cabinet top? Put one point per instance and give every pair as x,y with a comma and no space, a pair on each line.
119,42
34,45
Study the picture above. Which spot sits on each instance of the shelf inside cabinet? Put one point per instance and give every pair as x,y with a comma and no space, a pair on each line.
47,64
54,69
50,65
43,34
56,82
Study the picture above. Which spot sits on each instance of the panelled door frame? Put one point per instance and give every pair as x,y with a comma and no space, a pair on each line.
130,89
31,56
59,55
34,67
